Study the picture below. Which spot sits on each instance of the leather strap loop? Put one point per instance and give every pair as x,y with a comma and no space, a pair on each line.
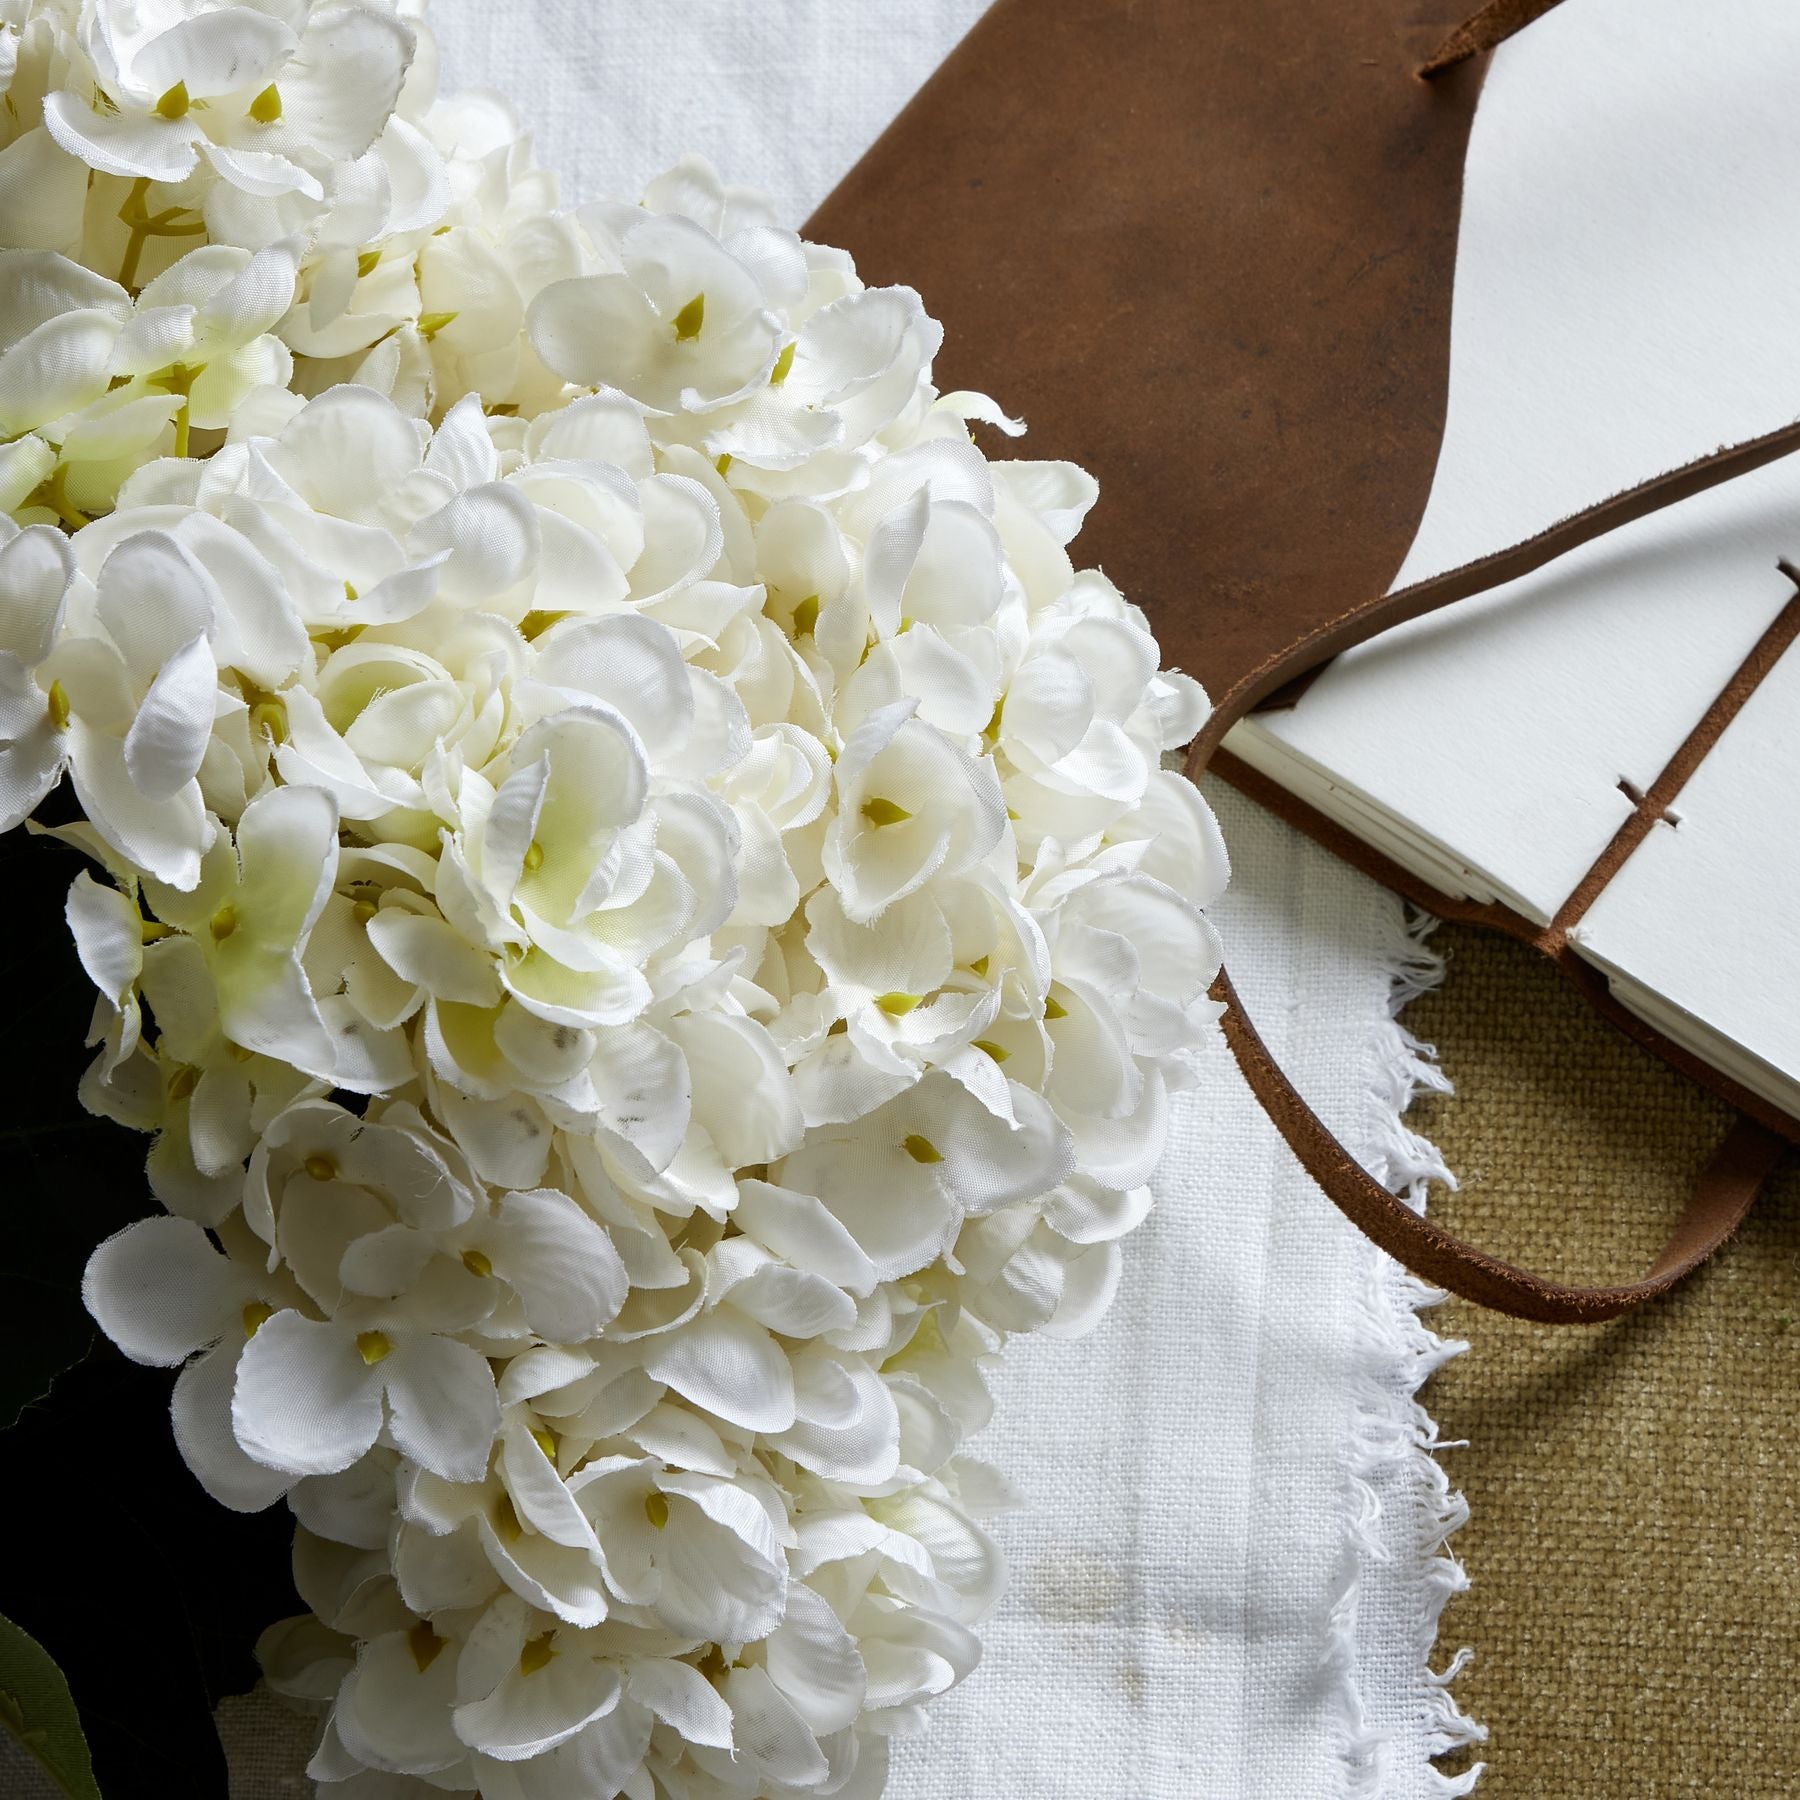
1721,1198
1750,1151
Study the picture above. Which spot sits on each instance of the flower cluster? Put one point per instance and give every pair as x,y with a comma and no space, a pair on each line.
636,893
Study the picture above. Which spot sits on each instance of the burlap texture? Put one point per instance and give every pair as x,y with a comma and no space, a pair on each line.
1633,1543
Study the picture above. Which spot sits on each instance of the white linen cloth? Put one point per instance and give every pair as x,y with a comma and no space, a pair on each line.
1228,1582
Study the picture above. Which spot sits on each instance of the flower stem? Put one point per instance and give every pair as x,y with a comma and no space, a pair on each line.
146,225
132,214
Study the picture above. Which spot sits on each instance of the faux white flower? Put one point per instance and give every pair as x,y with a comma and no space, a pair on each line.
264,96
634,891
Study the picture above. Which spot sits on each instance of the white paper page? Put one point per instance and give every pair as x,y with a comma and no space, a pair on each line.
1629,253
1706,914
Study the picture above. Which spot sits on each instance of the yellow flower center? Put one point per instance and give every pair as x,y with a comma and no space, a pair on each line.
656,1509
265,109
783,363
881,812
173,103
424,1644
476,1263
320,1166
374,1345
923,1150
689,320
270,717
56,703
898,1005
223,923
537,1652
254,1314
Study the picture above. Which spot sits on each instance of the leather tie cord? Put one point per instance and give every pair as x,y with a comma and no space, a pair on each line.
1750,1151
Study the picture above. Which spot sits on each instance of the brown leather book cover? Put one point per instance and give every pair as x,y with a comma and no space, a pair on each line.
1206,251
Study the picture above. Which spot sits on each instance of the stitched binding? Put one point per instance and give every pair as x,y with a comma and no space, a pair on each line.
1732,1180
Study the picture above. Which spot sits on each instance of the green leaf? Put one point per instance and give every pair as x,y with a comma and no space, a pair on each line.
38,1709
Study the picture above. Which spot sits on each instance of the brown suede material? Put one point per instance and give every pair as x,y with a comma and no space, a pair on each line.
1208,252
1493,24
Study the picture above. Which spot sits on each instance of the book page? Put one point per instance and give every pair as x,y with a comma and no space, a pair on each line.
1630,246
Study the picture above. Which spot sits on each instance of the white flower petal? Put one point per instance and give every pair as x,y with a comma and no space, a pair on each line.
340,87
131,144
425,952
560,1263
814,1662
681,1697
160,1290
261,172
805,1233
773,1742
108,932
305,1399
36,567
393,1711
728,1366
491,535
168,738
599,1759
528,1714
444,1412
723,1577
164,838
59,366
42,191
742,1093
201,1411
214,52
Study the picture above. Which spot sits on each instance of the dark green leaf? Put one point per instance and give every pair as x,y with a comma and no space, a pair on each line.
37,1708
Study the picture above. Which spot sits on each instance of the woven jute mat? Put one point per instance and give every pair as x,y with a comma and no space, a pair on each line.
1634,1545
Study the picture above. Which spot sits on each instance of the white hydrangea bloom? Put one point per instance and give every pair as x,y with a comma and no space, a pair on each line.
636,894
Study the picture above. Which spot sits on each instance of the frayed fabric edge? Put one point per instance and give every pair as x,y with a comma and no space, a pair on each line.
1389,1459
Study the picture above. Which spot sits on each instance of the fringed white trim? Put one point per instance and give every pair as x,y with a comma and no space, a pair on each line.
1389,1461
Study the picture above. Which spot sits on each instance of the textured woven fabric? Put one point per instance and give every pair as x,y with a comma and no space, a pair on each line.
784,97
1635,1542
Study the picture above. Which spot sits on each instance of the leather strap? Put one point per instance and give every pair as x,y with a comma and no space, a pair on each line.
1493,24
1750,1151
